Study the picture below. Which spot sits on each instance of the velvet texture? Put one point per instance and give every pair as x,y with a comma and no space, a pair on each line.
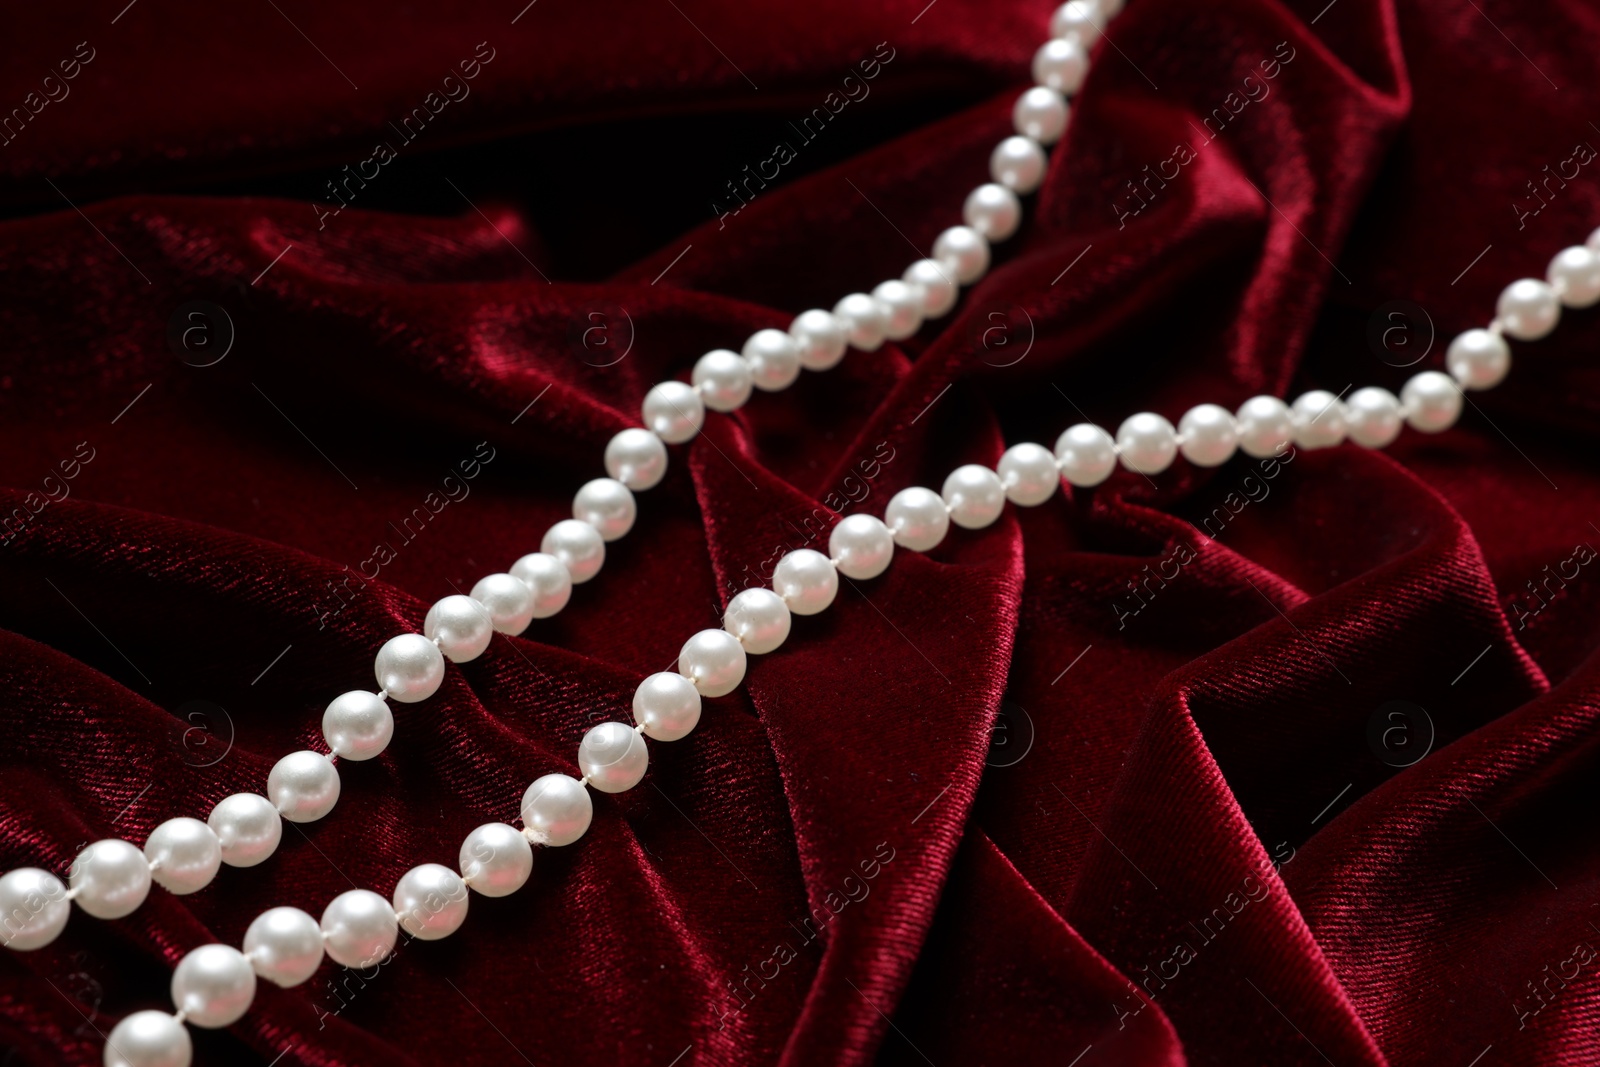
1111,782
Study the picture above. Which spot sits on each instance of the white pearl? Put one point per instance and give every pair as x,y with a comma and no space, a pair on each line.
1060,64
430,900
1528,309
1318,419
149,1039
578,546
507,599
111,877
409,667
1265,426
1018,163
637,458
865,321
284,946
1431,401
460,626
806,581
613,757
992,210
759,619
673,411
917,518
1040,115
1209,435
937,285
33,908
1478,359
774,359
1147,443
213,986
184,855
904,304
667,705
556,809
1086,454
974,495
861,547
1029,474
248,826
359,928
607,505
496,859
549,579
822,339
963,252
303,786
1076,20
723,379
714,661
1372,417
1575,275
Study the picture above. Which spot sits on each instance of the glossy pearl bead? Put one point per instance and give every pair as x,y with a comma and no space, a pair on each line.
1076,20
861,547
1431,401
806,581
1528,309
549,580
149,1039
667,705
917,518
1086,455
992,210
723,380
714,661
303,786
1029,474
1018,163
556,810
866,321
1208,434
33,908
507,599
1265,426
822,339
184,855
937,285
1319,420
284,946
963,252
1372,417
637,458
579,547
974,495
359,928
111,877
1478,359
1040,115
430,900
613,757
607,505
496,860
904,305
1575,275
1147,443
774,359
460,626
248,827
673,411
759,619
213,986
409,668
1060,64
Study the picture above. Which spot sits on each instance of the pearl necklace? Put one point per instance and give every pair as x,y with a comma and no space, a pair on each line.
214,984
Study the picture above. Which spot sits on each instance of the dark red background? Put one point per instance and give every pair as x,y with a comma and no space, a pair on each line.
1174,759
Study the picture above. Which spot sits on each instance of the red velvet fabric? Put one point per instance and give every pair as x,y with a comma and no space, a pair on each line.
1180,845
